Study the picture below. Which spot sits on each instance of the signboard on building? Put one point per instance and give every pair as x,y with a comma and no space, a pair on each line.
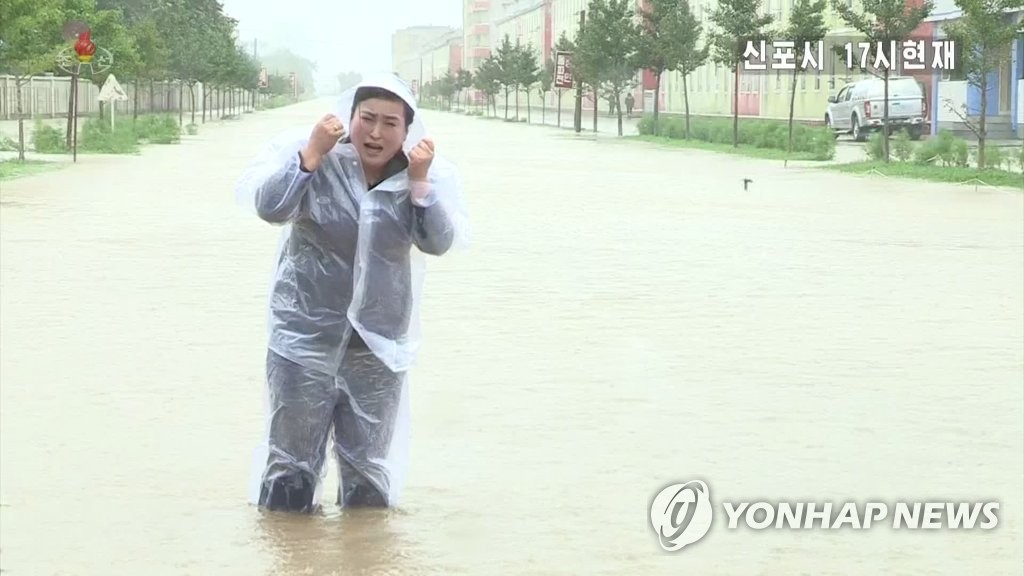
563,69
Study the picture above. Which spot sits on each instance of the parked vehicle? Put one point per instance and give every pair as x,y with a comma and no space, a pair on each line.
857,108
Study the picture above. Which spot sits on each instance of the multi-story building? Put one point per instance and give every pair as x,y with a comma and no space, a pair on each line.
1004,108
565,18
709,88
528,23
442,56
476,30
407,46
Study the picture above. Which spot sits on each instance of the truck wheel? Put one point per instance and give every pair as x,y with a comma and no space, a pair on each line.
858,134
914,132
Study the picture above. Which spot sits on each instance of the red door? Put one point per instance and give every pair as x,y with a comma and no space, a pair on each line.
749,100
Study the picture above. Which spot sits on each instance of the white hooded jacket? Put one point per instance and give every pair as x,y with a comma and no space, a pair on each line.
347,260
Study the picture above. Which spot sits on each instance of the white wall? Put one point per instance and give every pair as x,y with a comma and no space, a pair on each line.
956,93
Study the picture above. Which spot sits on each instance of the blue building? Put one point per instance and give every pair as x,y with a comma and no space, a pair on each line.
1005,97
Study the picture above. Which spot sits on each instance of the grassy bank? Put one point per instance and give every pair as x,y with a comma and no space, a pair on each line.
953,174
770,138
741,150
96,136
11,169
943,158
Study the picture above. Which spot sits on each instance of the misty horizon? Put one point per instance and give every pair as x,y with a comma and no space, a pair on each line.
307,28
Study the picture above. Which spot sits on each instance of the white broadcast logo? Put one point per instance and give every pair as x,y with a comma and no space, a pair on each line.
681,514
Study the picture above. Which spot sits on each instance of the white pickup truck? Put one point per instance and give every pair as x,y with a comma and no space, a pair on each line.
857,108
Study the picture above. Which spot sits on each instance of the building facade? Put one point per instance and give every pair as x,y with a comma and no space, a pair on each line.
476,30
1004,106
408,46
528,25
709,89
441,57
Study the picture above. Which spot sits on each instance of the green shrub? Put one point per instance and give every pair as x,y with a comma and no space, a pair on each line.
817,141
902,147
993,157
278,101
875,147
48,140
945,148
960,152
821,143
192,129
8,144
157,129
95,135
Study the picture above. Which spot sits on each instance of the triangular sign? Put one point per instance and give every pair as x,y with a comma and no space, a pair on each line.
112,90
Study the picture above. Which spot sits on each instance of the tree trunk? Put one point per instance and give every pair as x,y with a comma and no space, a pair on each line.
18,81
981,122
618,111
686,105
152,97
192,100
181,104
135,106
506,103
517,103
597,102
885,118
657,91
792,105
544,108
736,107
206,94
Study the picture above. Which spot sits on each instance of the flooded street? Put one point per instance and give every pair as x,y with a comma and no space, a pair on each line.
627,317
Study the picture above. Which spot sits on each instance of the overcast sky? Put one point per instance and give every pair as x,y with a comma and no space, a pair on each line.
339,35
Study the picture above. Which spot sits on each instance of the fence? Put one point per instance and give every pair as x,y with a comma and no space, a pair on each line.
49,97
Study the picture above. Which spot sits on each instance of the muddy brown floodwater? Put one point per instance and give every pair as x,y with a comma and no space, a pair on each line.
627,317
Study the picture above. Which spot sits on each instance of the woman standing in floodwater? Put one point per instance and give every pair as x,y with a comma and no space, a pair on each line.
344,305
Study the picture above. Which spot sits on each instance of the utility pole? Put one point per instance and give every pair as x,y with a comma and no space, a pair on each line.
578,117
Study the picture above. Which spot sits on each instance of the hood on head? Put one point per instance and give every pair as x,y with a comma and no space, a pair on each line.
392,83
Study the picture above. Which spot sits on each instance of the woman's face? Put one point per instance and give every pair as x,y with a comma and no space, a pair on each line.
378,131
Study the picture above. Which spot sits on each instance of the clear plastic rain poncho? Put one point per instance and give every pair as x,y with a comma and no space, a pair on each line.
345,304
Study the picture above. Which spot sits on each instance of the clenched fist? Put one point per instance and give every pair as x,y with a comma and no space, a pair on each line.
322,140
420,158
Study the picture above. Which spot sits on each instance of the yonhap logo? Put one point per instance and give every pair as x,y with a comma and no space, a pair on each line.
681,514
